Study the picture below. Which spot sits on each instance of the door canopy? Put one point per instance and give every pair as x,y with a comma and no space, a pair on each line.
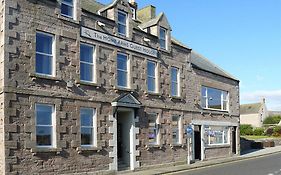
126,100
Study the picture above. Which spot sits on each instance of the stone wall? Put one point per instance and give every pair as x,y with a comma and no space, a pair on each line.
23,89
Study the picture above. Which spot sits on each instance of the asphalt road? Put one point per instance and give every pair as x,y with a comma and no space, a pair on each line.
268,165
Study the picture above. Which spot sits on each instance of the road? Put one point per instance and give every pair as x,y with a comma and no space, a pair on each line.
268,165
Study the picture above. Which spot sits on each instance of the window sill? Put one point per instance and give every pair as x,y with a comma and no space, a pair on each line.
68,19
175,97
147,93
34,76
217,146
150,146
80,82
174,145
217,111
88,148
164,50
119,88
45,150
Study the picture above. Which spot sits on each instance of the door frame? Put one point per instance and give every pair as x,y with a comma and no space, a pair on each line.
132,136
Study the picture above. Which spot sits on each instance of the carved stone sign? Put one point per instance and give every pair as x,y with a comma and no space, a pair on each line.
119,42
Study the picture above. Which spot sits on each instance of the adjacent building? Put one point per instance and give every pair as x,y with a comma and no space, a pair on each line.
87,87
253,114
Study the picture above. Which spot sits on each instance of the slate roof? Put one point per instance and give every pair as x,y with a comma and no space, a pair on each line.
250,108
91,5
203,63
197,60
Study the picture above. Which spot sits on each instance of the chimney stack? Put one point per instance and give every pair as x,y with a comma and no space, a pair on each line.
147,13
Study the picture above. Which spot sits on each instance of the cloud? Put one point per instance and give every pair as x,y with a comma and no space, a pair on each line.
273,98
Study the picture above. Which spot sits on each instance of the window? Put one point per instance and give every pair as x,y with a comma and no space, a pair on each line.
122,70
154,129
133,12
44,54
87,116
175,82
45,125
87,63
122,23
162,38
214,98
176,128
67,8
216,135
151,76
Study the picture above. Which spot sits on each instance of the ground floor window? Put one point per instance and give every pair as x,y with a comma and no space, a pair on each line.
153,129
88,123
216,135
176,127
45,125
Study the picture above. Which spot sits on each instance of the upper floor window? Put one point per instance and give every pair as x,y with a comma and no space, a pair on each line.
122,70
122,23
45,125
163,38
212,98
87,63
151,76
133,12
216,135
88,126
153,129
176,128
67,8
175,82
44,54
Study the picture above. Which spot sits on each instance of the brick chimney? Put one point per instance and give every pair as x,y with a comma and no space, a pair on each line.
147,13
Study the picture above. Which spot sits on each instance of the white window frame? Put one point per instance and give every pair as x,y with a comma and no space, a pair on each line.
94,128
208,141
133,10
45,54
122,24
179,128
163,38
157,128
126,71
155,77
206,98
91,64
177,82
53,126
73,6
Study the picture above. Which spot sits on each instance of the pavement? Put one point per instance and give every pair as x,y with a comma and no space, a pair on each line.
165,169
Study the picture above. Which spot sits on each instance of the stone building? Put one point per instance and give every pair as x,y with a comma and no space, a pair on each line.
87,87
254,113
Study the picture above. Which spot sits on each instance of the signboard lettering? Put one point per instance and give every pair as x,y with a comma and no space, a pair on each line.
109,39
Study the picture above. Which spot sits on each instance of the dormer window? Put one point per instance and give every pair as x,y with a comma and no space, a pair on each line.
67,8
122,23
162,38
134,13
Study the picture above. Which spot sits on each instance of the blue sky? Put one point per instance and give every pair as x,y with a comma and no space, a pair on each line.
241,36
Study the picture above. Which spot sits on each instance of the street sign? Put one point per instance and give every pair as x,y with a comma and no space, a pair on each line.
189,130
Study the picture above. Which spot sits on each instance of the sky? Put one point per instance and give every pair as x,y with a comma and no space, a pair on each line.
241,36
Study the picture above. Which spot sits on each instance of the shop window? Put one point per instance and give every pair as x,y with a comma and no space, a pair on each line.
216,135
